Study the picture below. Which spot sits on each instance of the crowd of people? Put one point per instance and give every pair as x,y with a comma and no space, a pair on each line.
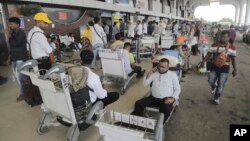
165,84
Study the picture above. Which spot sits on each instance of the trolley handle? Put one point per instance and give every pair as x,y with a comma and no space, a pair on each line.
96,107
55,69
29,63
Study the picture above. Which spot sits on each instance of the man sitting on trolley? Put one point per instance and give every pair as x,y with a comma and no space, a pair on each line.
165,90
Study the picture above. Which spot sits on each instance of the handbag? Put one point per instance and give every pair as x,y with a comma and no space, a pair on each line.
221,58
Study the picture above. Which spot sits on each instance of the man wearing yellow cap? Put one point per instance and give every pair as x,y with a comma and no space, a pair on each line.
39,46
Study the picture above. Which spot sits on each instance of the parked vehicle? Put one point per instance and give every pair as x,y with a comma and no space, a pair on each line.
246,35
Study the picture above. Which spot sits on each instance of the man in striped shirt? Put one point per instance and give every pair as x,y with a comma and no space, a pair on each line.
218,75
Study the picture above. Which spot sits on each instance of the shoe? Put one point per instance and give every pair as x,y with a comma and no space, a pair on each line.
141,74
217,101
20,98
3,80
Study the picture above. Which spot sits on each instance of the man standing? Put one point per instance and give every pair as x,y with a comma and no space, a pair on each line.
138,28
99,39
18,52
232,33
165,90
39,46
175,29
144,27
219,74
122,27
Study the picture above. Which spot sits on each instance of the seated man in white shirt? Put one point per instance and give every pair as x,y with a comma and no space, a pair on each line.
93,81
165,90
130,69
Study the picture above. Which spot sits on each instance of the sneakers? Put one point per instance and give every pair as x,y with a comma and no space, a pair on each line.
20,98
217,101
3,80
141,74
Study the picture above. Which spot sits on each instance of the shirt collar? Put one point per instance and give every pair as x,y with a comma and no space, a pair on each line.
38,29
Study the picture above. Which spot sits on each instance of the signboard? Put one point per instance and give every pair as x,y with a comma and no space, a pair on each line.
62,16
115,17
82,29
122,1
140,4
22,23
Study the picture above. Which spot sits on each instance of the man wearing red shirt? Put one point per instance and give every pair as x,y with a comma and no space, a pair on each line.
218,75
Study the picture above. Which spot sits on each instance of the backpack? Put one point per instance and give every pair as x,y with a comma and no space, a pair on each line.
79,92
220,59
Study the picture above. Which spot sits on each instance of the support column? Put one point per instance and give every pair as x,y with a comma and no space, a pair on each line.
247,18
237,12
173,6
150,5
185,9
164,3
241,13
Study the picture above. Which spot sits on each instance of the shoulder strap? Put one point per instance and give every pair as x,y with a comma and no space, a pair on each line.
98,33
217,52
29,42
227,47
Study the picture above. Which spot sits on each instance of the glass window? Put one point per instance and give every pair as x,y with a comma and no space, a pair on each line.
64,16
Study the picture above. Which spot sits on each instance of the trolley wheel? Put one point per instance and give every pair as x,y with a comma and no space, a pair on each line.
41,129
122,91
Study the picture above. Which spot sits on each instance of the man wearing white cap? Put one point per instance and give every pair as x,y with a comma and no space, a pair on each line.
39,46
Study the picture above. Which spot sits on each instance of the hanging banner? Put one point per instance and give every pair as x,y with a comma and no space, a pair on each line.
122,2
82,29
22,23
142,4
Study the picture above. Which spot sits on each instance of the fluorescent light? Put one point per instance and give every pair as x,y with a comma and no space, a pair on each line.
214,4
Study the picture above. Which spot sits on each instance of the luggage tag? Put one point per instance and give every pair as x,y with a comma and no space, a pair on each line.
111,115
142,122
133,120
118,116
151,124
125,118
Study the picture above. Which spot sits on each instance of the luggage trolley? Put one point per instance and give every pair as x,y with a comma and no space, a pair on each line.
113,68
54,89
149,43
166,42
136,46
116,126
203,48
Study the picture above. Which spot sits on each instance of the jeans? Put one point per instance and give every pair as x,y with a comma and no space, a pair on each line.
111,97
220,79
18,76
95,52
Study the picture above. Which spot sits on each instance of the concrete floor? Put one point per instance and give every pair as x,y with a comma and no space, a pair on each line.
196,119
